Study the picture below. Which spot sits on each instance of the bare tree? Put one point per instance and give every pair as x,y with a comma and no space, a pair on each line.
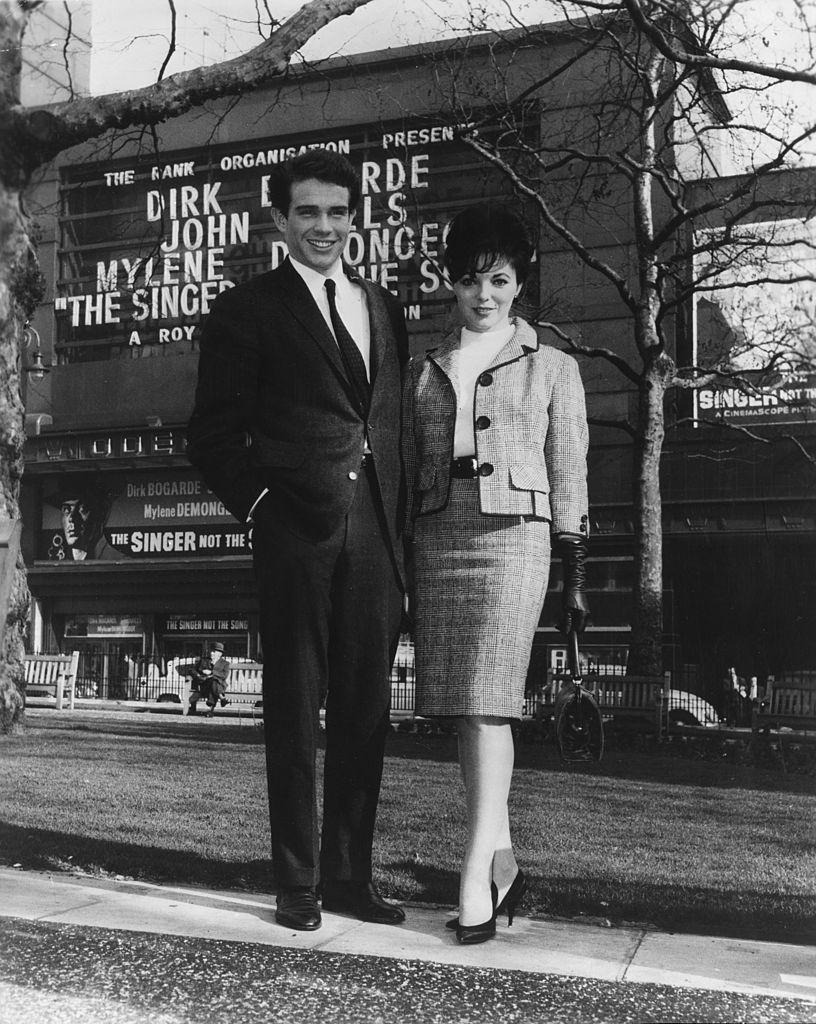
633,191
29,138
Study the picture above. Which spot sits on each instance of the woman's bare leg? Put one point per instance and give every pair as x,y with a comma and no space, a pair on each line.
486,760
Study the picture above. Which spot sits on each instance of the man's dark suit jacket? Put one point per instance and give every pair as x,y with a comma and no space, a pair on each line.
274,408
210,677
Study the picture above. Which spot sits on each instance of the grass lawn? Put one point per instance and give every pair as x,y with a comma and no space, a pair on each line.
680,844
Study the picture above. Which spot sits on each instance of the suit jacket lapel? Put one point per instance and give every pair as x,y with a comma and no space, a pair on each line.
523,342
443,354
296,296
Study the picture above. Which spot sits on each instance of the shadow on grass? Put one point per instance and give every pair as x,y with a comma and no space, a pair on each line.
162,727
771,918
40,849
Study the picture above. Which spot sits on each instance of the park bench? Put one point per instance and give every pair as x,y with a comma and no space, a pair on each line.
244,689
638,698
789,702
244,685
52,675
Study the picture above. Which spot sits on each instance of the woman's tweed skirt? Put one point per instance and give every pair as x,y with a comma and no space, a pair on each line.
480,585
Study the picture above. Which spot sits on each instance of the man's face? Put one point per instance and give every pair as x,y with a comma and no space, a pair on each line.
77,522
317,224
215,654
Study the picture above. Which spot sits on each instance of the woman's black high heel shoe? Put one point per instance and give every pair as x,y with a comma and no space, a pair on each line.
510,900
470,934
513,897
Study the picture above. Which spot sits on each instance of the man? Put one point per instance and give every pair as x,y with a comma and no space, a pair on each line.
209,679
296,428
84,506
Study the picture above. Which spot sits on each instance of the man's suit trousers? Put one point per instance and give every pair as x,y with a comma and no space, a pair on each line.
330,614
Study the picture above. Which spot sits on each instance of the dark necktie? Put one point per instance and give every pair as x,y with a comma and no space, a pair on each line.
352,357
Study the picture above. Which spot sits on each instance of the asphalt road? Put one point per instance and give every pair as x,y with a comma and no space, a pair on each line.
65,974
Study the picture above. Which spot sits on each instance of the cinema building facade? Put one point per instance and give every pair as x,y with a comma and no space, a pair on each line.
139,239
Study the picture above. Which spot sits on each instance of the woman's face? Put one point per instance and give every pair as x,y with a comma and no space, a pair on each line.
486,296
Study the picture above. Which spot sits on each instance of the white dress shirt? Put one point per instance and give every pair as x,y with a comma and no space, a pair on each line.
352,305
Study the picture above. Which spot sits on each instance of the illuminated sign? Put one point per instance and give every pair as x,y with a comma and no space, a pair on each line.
111,516
146,249
104,625
793,400
183,624
123,444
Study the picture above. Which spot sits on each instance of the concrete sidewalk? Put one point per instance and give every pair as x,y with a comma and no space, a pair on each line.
541,947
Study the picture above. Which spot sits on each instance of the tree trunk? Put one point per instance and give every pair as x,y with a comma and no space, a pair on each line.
646,648
20,291
15,283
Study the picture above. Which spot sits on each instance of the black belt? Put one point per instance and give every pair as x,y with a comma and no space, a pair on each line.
465,467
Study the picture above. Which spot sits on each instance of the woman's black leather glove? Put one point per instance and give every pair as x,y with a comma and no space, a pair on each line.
573,548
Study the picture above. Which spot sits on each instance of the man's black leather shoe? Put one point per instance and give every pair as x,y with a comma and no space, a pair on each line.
297,908
362,900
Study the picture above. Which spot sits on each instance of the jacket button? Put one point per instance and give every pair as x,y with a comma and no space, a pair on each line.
483,422
486,379
352,475
485,469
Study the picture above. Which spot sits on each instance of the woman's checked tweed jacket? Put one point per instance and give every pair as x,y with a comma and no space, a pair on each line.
530,427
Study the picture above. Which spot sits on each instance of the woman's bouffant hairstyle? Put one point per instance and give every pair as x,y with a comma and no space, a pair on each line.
482,235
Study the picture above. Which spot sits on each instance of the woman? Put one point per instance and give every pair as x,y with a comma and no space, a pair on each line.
496,440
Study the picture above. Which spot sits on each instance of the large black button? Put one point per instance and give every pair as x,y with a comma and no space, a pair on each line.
486,379
483,422
485,469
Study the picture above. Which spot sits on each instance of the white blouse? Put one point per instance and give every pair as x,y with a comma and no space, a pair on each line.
477,350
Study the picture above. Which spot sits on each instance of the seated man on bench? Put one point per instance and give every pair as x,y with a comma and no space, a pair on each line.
209,679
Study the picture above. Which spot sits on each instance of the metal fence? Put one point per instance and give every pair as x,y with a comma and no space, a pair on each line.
402,687
149,679
121,676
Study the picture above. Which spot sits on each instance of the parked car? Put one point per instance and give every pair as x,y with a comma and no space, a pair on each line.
689,709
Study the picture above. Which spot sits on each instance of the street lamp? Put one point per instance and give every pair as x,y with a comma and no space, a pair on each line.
36,368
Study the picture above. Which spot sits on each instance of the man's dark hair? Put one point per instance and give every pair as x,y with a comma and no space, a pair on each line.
480,236
321,164
85,488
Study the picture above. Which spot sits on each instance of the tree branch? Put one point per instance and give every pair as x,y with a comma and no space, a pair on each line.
171,49
592,352
739,428
623,425
43,132
681,55
69,32
747,184
705,377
